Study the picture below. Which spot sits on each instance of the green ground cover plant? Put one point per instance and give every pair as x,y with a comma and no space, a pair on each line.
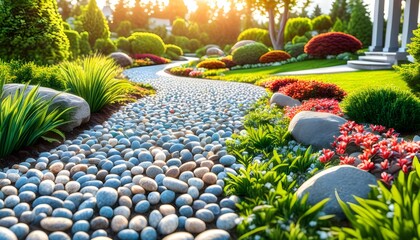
94,79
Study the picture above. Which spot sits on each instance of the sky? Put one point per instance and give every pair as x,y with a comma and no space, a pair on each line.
324,4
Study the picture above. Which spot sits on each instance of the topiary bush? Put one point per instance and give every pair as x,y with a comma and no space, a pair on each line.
332,43
142,42
274,56
304,90
295,49
74,40
249,54
104,46
211,64
296,27
256,34
124,29
194,44
85,48
322,23
388,107
300,39
123,44
173,51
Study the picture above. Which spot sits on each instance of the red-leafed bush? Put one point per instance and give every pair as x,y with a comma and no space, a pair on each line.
327,105
152,57
181,71
304,90
382,153
228,61
332,43
211,64
274,56
276,84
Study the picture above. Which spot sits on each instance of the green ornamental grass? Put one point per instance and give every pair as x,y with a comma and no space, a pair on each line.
94,79
24,118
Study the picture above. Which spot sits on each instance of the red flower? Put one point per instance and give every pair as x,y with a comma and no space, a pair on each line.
366,165
327,155
387,178
385,164
347,160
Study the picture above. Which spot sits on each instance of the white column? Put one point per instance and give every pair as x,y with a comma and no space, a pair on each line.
392,27
378,27
411,13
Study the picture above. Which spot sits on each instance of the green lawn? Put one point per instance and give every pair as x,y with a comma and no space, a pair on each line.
350,81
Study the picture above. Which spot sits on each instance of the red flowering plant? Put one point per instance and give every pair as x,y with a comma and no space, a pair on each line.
317,105
151,57
304,90
181,71
374,149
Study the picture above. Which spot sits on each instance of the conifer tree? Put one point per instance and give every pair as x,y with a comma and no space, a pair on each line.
317,11
360,25
32,30
120,14
94,23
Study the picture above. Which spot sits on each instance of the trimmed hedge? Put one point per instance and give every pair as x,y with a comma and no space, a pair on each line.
142,42
74,40
211,64
274,56
256,34
332,43
249,54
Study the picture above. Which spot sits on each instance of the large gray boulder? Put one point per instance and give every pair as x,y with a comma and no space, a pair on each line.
214,51
315,128
77,116
121,59
241,44
282,100
347,181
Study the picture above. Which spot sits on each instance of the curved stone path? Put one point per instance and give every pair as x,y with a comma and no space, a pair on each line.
154,170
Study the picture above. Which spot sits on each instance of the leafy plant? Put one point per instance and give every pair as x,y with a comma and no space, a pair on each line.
94,22
174,50
181,71
392,108
304,90
322,23
274,56
142,42
255,34
317,105
295,49
155,59
228,61
387,213
25,117
104,46
297,27
123,44
211,64
94,79
249,54
332,43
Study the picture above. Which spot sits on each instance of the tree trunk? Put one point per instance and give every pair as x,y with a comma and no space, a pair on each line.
277,38
272,30
283,21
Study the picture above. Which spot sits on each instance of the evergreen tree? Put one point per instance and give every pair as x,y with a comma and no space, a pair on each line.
339,10
338,26
317,11
360,25
32,30
138,16
179,27
95,23
120,14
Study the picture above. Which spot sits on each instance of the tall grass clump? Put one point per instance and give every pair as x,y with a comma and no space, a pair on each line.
25,117
94,79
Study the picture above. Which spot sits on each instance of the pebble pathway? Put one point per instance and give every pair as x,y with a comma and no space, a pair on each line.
154,170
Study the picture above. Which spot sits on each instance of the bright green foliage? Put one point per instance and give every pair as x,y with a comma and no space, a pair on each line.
338,26
19,72
340,10
410,73
322,23
179,27
414,46
300,39
249,54
295,49
389,107
388,213
173,51
123,44
146,43
256,34
66,26
74,40
85,48
104,46
24,118
297,27
194,44
93,78
32,30
94,23
180,41
360,25
124,29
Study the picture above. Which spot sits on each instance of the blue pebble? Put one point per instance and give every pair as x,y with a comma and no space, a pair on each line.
20,182
205,215
62,212
112,183
11,201
227,203
84,214
128,234
167,196
61,194
217,168
214,189
31,187
126,180
52,201
80,226
181,222
186,211
78,175
214,208
142,207
138,197
20,208
69,205
89,203
58,236
81,236
226,210
118,169
159,179
92,170
99,233
198,204
107,165
106,211
20,230
148,233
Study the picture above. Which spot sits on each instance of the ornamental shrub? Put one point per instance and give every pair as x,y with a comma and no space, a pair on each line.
151,57
181,71
338,26
32,31
296,27
256,34
123,44
389,107
317,105
124,29
94,22
194,44
299,39
85,48
179,27
174,50
295,49
74,40
211,64
104,46
276,83
142,42
304,90
322,23
274,56
249,54
332,43
228,61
